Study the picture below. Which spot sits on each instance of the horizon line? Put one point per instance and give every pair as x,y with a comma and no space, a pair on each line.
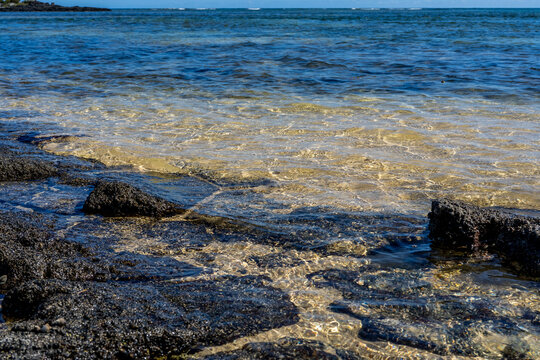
321,8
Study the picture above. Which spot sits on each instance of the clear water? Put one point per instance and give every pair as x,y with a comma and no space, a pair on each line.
337,107
335,126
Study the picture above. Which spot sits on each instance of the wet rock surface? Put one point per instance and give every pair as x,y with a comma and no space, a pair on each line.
64,300
21,162
14,168
137,320
515,238
231,307
29,251
114,198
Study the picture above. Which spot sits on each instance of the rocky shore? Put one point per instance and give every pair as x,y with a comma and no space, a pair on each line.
68,294
42,6
64,299
513,237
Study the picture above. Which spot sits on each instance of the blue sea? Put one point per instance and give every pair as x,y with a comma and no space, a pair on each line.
338,126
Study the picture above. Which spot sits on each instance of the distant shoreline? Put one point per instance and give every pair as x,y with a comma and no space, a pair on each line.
44,7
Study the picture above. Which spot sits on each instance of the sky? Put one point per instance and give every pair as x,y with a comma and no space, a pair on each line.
298,3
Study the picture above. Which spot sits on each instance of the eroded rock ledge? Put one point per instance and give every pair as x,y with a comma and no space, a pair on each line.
515,238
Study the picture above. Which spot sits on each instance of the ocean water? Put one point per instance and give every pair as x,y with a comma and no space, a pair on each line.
336,107
336,126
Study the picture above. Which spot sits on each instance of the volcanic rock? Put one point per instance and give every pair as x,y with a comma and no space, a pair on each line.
113,198
28,251
22,169
514,237
127,320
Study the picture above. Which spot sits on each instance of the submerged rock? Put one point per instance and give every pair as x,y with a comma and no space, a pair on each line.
410,308
37,139
231,306
285,349
114,198
515,238
14,168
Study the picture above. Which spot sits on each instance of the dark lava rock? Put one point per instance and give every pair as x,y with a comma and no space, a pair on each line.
41,6
285,349
102,321
515,238
14,168
390,330
137,320
232,306
28,251
78,181
114,198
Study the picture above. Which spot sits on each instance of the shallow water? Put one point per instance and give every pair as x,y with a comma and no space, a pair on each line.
336,107
326,132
